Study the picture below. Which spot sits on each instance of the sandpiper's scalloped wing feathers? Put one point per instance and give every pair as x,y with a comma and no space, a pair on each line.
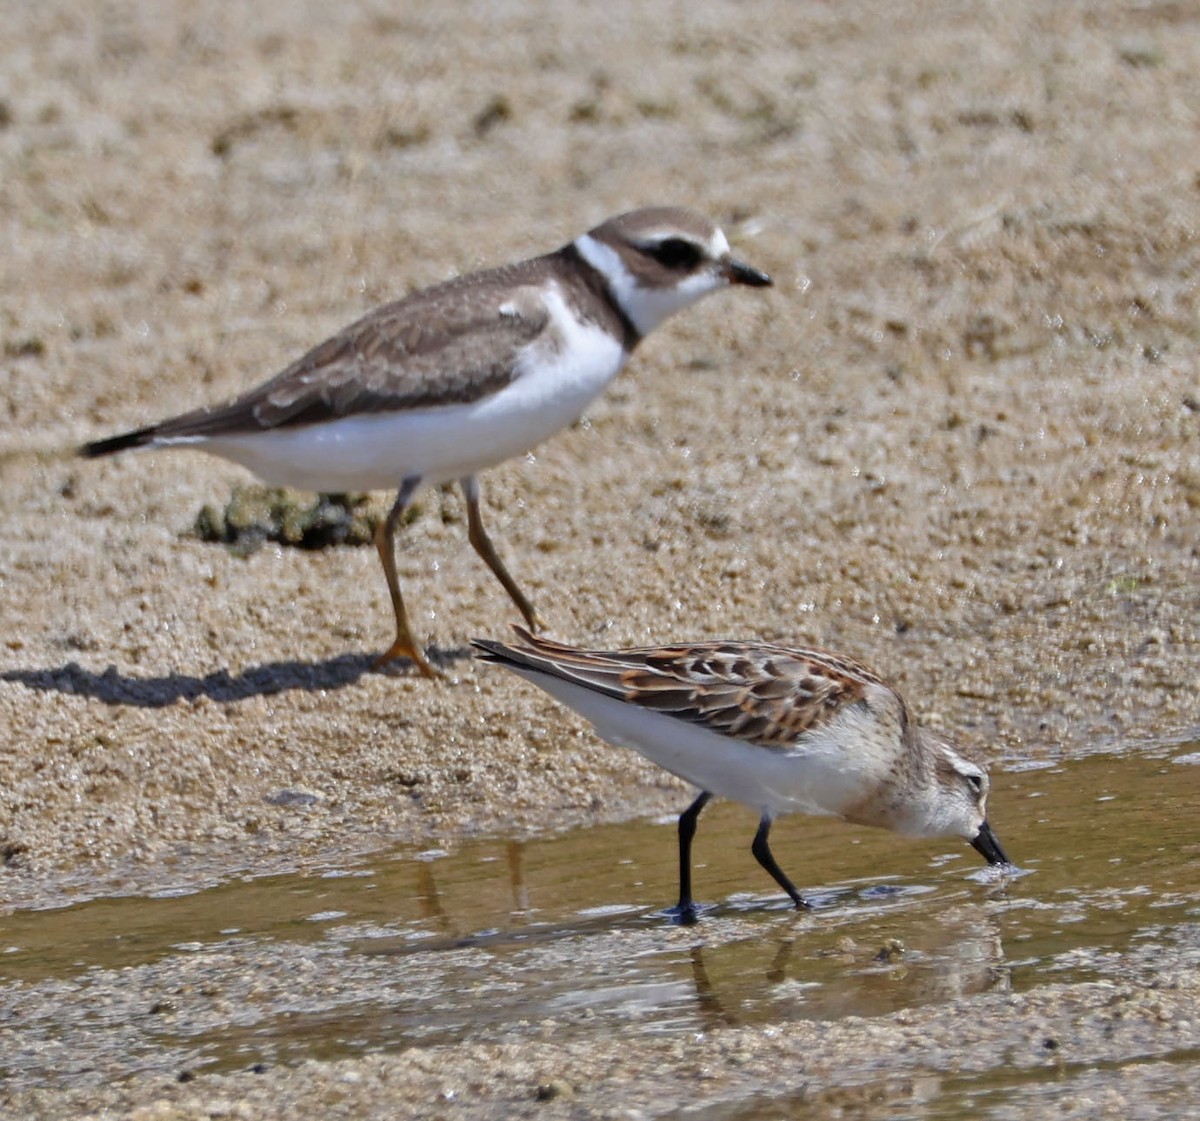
769,695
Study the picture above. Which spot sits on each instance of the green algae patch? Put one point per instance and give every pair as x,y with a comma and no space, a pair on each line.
255,515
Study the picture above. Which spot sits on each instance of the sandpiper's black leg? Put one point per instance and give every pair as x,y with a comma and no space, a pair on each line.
762,853
685,910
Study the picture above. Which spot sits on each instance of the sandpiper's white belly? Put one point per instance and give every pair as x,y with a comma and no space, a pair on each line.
820,778
379,450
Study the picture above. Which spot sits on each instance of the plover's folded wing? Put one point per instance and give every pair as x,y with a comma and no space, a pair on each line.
446,346
452,344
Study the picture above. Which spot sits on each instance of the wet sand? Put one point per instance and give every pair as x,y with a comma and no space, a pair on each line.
959,439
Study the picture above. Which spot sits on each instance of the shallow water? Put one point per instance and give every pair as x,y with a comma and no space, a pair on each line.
566,936
1165,1087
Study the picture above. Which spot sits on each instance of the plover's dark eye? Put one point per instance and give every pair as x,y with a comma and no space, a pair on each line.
675,253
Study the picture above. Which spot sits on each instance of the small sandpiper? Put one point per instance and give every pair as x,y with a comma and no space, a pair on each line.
459,377
779,729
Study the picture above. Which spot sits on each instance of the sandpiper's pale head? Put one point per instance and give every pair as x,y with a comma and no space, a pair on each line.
955,801
662,259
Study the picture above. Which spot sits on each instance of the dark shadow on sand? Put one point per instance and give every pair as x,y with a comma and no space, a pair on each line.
115,688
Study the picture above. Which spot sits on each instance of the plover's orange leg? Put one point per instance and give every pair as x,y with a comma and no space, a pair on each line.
484,547
405,646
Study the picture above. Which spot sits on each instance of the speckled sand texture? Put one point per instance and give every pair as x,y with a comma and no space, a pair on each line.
960,438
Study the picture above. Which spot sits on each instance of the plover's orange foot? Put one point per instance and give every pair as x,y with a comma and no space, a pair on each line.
400,649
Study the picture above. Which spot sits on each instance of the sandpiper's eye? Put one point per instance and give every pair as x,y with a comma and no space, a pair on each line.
675,253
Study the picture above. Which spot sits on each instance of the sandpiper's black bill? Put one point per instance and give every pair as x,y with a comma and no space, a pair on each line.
739,273
988,847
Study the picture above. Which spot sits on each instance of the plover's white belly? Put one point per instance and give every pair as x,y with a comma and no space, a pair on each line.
379,450
821,779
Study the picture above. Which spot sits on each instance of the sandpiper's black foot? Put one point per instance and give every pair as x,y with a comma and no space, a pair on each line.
762,853
684,914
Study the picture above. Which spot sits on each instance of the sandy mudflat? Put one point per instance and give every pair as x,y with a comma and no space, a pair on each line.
960,438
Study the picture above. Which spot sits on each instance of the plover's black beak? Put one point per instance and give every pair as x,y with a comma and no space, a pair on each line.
737,273
988,847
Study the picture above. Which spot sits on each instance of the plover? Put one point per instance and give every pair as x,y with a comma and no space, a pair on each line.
779,729
456,378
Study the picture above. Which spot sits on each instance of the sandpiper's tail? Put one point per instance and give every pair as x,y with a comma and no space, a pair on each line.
539,658
501,653
138,438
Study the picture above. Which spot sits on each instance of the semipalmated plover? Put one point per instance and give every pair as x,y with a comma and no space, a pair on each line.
461,376
781,730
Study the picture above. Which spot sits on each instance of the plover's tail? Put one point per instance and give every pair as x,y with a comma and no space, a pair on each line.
138,438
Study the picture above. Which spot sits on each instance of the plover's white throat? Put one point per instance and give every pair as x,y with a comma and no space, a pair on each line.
459,377
781,730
